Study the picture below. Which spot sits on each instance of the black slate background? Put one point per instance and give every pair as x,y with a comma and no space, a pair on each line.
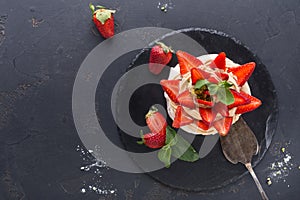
42,44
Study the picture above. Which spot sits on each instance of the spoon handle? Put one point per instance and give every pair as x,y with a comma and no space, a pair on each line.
259,187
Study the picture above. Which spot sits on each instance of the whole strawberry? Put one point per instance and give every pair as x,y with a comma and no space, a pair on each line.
104,20
153,140
160,56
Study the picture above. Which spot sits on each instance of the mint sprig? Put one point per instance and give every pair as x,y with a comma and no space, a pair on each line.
177,147
221,90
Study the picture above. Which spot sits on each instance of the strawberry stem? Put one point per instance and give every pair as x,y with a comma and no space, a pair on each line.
151,111
142,137
92,7
166,48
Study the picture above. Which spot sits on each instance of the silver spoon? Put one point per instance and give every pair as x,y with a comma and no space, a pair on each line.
239,146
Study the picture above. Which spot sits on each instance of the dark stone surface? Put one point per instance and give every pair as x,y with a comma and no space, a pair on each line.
42,44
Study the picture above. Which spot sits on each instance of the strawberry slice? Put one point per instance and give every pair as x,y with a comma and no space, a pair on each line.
207,115
196,75
186,99
254,103
243,72
187,61
202,125
219,61
239,99
204,102
153,140
218,77
213,79
156,121
222,76
181,118
171,87
223,125
221,108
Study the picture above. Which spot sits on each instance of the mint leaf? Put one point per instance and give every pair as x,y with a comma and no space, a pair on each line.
171,136
184,151
225,84
201,83
225,96
164,155
190,155
213,88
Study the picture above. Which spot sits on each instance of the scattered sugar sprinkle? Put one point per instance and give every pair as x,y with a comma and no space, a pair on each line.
164,6
281,168
269,181
83,191
98,167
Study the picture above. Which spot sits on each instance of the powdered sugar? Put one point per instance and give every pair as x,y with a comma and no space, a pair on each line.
98,168
280,169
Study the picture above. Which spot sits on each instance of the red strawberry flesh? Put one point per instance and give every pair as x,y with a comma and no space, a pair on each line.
207,114
181,118
156,121
243,72
186,99
221,108
239,99
154,140
171,87
202,125
219,61
223,125
187,61
254,103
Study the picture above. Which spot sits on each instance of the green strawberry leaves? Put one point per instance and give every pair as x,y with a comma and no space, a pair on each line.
102,13
221,90
165,48
164,155
177,147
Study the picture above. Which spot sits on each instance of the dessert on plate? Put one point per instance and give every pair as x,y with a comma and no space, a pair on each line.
207,94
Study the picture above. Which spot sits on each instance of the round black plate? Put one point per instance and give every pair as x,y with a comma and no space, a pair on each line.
212,171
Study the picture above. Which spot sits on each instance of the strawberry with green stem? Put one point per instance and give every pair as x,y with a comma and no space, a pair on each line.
160,56
104,20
